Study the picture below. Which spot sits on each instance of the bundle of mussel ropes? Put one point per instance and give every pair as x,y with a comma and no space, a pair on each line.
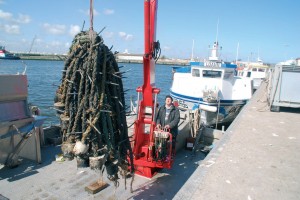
92,106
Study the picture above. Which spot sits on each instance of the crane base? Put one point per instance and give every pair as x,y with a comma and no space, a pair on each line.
148,172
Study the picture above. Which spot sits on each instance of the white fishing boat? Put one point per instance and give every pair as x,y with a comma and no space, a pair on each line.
256,71
212,87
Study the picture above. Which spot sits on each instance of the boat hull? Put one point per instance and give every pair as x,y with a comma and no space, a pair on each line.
212,113
10,58
7,55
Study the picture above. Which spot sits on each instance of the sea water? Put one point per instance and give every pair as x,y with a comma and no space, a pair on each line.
44,77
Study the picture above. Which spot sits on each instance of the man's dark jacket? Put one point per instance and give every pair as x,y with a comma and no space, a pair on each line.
172,121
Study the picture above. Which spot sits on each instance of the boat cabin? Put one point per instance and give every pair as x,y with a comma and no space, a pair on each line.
221,73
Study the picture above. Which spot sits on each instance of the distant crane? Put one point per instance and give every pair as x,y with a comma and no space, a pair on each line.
32,43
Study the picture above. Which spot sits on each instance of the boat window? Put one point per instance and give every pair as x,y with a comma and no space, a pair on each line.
195,73
211,74
248,74
228,74
261,70
254,69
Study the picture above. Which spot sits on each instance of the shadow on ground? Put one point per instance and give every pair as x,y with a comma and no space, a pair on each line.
167,183
29,167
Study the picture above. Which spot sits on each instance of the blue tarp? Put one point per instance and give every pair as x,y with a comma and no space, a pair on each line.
182,69
196,63
229,65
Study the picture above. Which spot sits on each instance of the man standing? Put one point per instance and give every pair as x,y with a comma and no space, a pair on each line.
168,117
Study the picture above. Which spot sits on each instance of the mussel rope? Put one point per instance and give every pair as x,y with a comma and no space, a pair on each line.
94,103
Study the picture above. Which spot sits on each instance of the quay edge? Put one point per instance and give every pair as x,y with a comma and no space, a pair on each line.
134,58
257,158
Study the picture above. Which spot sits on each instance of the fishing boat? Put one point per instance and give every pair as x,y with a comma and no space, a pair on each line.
256,71
212,87
4,54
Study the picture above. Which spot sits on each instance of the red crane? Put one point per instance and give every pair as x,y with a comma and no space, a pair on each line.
152,149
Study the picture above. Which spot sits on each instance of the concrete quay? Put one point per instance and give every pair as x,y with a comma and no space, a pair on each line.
120,58
258,157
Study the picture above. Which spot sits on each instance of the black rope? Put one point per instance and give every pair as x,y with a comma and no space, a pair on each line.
156,50
92,93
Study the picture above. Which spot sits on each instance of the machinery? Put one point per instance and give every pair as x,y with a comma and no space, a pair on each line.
152,149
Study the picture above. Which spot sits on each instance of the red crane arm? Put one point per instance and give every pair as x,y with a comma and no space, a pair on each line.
143,144
148,92
150,13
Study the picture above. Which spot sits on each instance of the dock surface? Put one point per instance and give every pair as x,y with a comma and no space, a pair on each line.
57,180
257,158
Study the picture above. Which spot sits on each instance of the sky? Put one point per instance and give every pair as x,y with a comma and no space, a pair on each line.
246,29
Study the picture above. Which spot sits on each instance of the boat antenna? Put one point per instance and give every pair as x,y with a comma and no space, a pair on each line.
217,31
237,53
192,58
258,57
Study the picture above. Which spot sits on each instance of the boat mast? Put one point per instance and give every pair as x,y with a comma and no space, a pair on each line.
237,53
258,57
214,51
192,58
217,31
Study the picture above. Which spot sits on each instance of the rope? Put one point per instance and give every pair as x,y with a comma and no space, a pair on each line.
196,121
217,119
156,50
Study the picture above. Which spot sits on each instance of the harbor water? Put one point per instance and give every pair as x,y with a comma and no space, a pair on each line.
45,76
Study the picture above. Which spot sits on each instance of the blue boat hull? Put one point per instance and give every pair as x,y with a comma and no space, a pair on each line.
11,58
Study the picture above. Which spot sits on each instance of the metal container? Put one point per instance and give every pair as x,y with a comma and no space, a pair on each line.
17,124
284,87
